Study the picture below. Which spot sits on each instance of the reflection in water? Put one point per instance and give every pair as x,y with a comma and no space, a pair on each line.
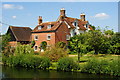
13,72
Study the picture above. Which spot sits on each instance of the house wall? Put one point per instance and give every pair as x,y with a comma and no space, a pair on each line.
43,37
60,34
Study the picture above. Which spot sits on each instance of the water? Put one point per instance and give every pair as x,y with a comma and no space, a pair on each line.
13,72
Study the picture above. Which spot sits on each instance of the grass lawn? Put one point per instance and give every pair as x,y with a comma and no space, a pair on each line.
85,57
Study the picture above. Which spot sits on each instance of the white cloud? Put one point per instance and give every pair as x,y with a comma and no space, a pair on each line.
11,6
8,6
101,16
14,17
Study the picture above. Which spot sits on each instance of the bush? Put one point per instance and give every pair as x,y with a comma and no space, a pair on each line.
55,53
102,67
28,61
61,44
23,49
67,64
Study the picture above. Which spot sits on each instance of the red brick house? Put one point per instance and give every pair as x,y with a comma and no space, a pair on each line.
60,30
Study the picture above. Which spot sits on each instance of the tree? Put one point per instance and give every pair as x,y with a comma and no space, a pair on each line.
77,45
5,39
108,32
95,40
93,27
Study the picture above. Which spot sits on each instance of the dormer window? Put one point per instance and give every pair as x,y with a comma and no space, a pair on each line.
49,27
39,27
75,23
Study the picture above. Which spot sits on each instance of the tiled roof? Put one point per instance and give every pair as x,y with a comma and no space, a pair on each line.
54,24
21,33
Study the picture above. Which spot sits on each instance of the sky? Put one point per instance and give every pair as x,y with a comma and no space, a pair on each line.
25,14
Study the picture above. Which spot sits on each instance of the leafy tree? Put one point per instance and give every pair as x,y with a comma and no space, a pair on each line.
115,44
5,39
93,27
95,40
109,32
77,45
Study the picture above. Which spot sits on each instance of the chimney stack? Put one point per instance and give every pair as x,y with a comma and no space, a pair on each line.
39,20
62,12
82,16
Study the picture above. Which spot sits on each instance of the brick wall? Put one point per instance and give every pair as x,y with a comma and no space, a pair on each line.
43,37
61,33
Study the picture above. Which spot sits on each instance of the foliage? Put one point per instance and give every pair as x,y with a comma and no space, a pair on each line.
67,64
96,66
9,51
92,27
61,44
108,32
43,45
115,44
23,49
55,53
28,61
5,39
32,43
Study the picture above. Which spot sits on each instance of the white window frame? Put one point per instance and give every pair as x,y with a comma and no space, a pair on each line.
49,26
48,36
39,27
35,48
67,37
35,37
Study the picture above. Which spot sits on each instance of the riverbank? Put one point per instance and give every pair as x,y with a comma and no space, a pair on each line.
95,64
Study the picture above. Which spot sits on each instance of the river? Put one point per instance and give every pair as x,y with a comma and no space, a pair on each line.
13,72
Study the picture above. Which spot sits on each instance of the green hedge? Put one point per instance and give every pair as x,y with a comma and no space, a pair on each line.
67,64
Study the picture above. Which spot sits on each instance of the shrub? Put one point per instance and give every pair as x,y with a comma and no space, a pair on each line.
67,64
102,67
55,53
61,44
23,49
28,61
43,45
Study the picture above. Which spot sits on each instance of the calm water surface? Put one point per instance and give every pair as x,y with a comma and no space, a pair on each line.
13,72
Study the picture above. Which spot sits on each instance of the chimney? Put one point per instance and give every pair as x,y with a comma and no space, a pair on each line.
62,12
39,20
82,16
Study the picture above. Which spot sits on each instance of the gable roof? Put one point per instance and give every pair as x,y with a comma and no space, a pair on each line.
21,33
44,29
68,21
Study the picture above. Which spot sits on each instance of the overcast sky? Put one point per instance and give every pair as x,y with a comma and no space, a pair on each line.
26,13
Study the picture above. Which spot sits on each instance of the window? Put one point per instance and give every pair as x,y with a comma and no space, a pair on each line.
49,27
35,48
48,36
36,37
75,24
39,27
67,37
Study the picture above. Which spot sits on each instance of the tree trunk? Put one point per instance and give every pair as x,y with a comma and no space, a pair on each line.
78,57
